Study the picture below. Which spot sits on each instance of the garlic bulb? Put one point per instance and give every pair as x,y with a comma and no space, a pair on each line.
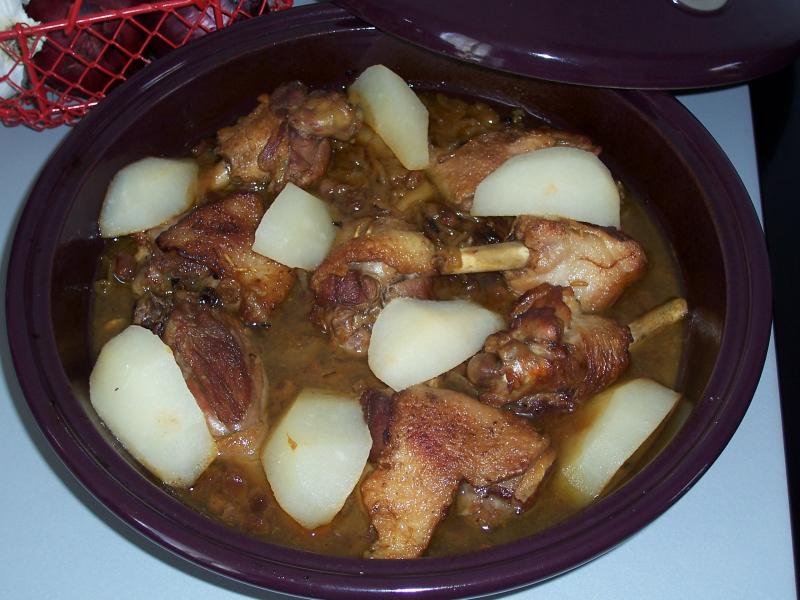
12,71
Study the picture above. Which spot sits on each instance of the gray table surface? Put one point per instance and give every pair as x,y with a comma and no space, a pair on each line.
728,538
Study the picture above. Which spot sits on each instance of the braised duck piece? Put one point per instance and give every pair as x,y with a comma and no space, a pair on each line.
164,278
386,258
382,259
164,272
286,138
435,439
318,113
599,263
458,172
220,366
551,356
219,236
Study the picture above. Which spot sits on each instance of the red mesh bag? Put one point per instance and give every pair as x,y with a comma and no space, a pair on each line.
96,45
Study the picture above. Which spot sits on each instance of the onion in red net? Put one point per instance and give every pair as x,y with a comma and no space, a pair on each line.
92,70
191,22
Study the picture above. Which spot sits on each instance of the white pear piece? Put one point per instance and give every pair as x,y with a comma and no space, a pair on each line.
297,230
414,340
146,194
315,455
395,112
552,182
138,391
624,418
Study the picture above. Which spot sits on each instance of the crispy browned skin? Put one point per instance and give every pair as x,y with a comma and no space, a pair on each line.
437,439
286,137
551,356
597,262
362,274
494,506
459,172
220,236
219,365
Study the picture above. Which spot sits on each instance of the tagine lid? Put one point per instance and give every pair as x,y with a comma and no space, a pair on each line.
654,44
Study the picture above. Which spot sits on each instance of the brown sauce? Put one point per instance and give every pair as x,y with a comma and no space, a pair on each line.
364,178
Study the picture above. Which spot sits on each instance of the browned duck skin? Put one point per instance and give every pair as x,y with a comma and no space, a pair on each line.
220,237
286,138
598,263
551,356
434,440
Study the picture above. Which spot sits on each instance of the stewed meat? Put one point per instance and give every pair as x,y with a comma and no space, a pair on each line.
241,144
495,505
164,278
220,366
390,242
220,237
597,262
437,439
164,272
286,138
551,356
321,114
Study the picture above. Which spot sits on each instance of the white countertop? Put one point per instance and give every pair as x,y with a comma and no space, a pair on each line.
728,538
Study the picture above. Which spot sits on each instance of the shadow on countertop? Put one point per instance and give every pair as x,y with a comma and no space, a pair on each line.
776,118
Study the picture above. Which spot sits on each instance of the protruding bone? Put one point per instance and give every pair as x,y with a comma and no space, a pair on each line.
492,257
668,313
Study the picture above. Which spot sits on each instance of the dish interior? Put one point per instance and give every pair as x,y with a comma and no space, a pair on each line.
166,120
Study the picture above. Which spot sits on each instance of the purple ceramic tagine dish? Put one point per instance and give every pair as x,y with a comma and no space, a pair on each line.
685,181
